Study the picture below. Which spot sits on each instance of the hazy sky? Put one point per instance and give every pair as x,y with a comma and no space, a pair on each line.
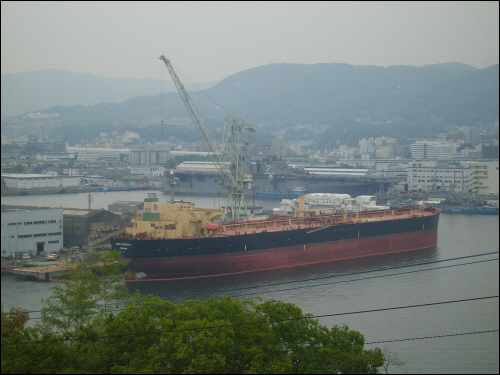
208,41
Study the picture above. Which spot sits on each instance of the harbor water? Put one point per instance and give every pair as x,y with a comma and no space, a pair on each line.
354,286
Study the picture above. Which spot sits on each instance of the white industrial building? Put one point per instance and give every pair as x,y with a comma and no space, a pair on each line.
484,178
432,177
37,181
31,230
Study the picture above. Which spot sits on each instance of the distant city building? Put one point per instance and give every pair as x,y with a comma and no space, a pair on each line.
97,156
31,230
117,142
71,172
148,156
147,170
469,133
44,146
98,153
277,146
484,178
489,149
434,149
56,156
130,135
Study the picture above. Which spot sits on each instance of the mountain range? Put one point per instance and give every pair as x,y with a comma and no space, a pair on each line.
39,90
401,101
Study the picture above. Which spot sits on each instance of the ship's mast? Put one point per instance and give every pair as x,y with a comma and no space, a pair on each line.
228,166
173,183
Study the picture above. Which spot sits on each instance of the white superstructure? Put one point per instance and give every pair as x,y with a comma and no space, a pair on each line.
328,201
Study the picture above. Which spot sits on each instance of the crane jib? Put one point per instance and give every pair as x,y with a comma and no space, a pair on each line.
229,167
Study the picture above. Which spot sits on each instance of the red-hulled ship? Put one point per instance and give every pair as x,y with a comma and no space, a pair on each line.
178,240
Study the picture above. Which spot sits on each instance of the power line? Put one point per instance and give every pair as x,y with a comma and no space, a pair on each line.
269,291
235,296
431,337
285,283
255,323
407,339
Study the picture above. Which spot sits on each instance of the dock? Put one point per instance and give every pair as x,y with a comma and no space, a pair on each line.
43,273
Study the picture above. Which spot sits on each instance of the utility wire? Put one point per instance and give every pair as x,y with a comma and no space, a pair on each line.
255,323
281,283
432,337
235,296
254,293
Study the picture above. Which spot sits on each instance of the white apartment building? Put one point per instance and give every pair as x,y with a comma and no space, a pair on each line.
97,156
435,149
97,153
484,178
56,156
425,177
116,142
31,230
148,156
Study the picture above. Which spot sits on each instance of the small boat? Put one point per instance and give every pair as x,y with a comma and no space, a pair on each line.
476,210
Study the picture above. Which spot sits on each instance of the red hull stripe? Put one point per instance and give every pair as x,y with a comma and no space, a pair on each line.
169,268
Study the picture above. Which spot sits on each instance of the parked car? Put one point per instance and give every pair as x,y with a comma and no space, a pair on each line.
53,257
26,256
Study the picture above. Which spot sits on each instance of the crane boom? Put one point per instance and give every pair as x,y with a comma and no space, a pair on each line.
197,120
229,167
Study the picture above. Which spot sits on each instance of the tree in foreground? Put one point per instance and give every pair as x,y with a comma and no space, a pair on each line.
151,335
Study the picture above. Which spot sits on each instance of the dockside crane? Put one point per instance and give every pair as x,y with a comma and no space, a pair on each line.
228,164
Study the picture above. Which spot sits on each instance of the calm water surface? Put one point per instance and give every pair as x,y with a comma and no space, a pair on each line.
459,235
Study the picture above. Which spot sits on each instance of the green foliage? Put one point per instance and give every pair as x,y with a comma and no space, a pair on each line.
90,287
151,335
18,168
464,146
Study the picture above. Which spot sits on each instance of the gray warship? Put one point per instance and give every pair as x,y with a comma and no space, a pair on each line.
274,177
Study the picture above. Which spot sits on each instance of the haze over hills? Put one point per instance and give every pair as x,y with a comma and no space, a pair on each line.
399,101
38,90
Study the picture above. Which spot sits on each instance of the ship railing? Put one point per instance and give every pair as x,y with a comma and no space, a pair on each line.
106,237
339,218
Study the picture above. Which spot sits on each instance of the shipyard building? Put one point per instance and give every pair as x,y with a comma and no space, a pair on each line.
31,230
82,225
39,181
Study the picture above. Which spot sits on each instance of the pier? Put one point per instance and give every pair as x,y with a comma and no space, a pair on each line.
43,273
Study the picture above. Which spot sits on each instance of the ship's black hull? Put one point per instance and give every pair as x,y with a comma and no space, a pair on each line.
194,257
